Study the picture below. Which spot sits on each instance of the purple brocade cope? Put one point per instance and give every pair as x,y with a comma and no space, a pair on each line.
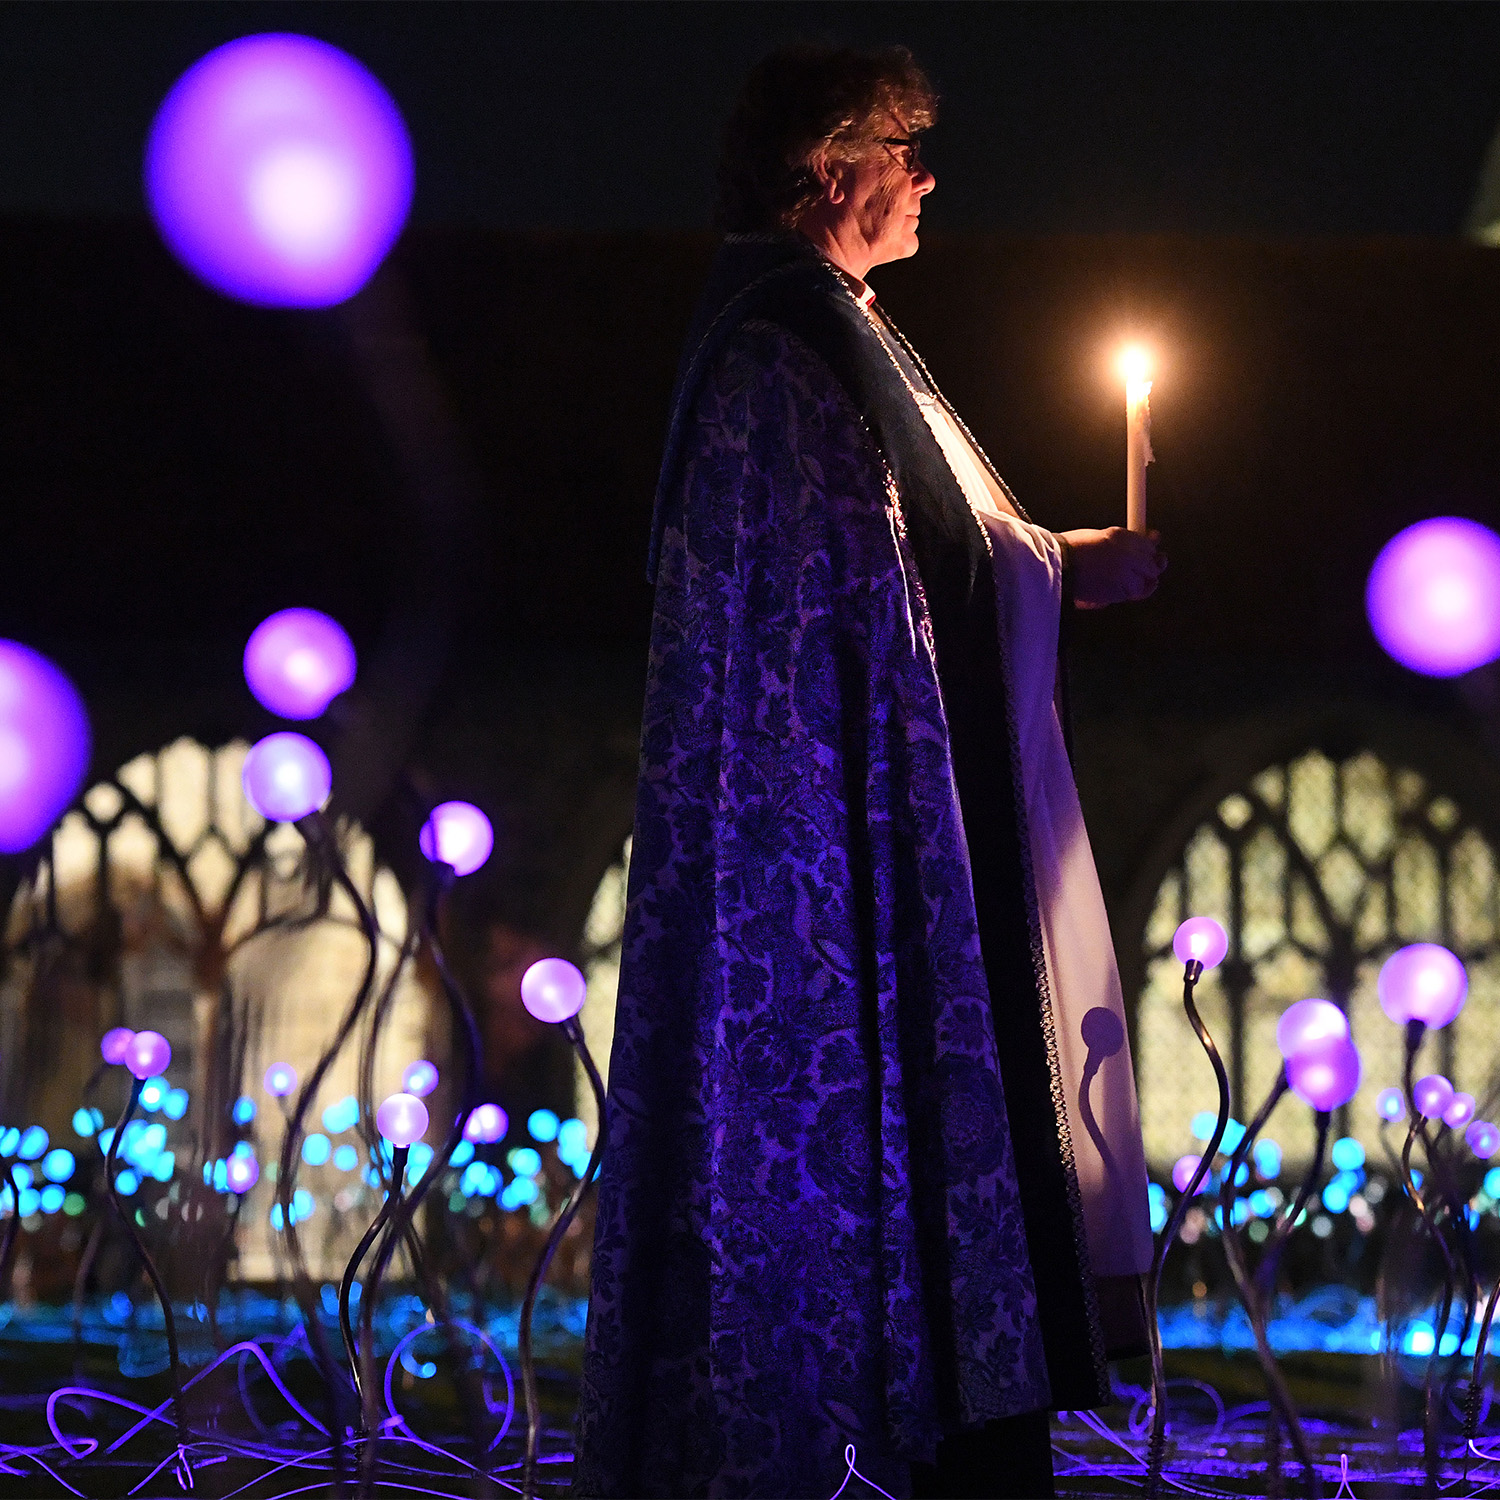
809,1232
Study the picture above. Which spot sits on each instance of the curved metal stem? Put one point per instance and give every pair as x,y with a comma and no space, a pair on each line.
1265,1274
168,1320
12,1228
539,1270
346,1285
1191,973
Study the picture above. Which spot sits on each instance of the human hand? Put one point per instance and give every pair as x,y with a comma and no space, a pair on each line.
1114,565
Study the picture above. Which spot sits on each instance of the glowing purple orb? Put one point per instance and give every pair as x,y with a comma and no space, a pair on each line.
1459,1112
286,777
241,1173
552,989
419,1078
279,171
147,1053
457,834
44,745
487,1123
298,661
1432,1095
114,1042
1422,982
1482,1139
280,1080
1310,1023
1182,1172
1390,1104
1325,1076
1434,596
402,1119
1200,938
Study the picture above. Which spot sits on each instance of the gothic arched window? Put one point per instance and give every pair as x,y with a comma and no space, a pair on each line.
1318,870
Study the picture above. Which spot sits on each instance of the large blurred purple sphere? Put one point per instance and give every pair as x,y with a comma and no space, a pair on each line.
286,777
419,1078
457,834
1432,1095
1390,1104
1422,982
298,661
241,1173
44,745
552,989
487,1123
148,1054
1182,1172
114,1043
1325,1076
1483,1139
1201,939
1309,1023
279,171
1459,1112
280,1080
1434,596
402,1119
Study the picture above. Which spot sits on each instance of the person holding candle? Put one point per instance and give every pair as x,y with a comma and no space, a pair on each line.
873,1173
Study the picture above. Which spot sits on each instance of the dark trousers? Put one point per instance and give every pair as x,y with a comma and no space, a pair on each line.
1009,1459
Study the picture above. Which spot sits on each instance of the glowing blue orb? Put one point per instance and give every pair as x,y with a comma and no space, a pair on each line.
32,1144
573,1136
342,1115
346,1158
298,661
457,834
286,777
1200,939
1347,1154
542,1125
1267,1159
552,989
279,171
316,1150
58,1164
44,745
244,1110
1433,597
1203,1125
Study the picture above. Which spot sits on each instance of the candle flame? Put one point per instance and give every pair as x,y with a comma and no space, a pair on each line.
1135,364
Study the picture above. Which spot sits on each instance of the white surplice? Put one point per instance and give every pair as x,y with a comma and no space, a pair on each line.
1088,1008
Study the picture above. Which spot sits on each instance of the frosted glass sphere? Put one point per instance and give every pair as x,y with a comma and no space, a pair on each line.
147,1054
487,1124
1460,1112
298,661
402,1119
1422,982
1433,596
1201,938
457,834
286,777
241,1173
1432,1095
552,989
280,1080
44,745
1483,1139
1325,1076
1310,1023
1390,1104
279,171
1182,1172
419,1078
114,1042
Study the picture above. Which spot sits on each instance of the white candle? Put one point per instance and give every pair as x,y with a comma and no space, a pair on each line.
1135,366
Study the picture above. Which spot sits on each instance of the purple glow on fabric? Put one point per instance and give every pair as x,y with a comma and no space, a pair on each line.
44,745
279,171
1482,1139
1422,982
419,1078
1433,597
1390,1104
1201,938
1432,1095
487,1124
286,777
1309,1023
1325,1076
114,1042
1459,1112
298,661
457,834
402,1119
280,1080
241,1173
1182,1172
147,1054
552,989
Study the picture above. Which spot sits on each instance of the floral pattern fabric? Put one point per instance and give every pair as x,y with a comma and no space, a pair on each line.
809,1232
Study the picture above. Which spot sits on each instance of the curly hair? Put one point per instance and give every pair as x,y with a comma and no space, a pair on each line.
801,101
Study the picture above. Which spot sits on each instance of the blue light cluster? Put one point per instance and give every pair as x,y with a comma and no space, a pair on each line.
342,1116
573,1146
144,1147
303,1207
86,1122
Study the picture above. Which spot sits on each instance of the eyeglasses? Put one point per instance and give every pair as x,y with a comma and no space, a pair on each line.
907,152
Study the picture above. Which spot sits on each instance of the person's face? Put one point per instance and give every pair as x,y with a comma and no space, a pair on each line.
883,200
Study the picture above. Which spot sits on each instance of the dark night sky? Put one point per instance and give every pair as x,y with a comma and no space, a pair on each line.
1060,118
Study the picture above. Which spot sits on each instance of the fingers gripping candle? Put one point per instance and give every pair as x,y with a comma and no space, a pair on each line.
1135,366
